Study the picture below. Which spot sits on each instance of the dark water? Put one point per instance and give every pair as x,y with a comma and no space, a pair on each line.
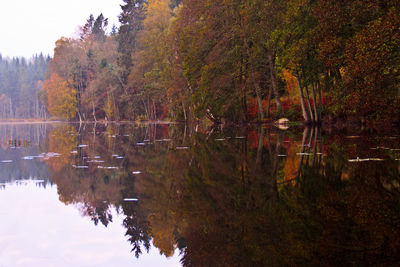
163,195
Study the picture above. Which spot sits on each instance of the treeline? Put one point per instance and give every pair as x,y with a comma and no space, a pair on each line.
232,60
20,86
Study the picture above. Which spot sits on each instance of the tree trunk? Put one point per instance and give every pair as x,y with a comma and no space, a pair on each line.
145,108
269,102
274,84
319,100
94,112
309,104
154,111
316,118
259,102
80,117
184,111
303,105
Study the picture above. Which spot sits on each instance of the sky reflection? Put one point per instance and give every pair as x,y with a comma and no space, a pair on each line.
36,229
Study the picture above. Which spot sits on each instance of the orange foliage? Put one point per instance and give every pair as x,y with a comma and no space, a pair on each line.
63,142
291,84
292,162
61,97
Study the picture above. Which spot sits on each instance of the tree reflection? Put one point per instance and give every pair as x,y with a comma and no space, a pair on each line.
94,190
234,197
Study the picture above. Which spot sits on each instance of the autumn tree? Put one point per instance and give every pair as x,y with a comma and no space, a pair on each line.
151,59
61,97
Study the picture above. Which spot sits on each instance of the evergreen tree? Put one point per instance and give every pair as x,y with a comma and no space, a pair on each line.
131,19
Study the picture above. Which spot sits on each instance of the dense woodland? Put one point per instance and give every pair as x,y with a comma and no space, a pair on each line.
20,87
232,61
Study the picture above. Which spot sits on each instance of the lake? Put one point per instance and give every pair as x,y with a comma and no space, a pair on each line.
174,195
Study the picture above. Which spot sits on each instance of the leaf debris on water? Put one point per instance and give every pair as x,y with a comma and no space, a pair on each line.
83,146
131,199
80,167
181,147
367,159
107,168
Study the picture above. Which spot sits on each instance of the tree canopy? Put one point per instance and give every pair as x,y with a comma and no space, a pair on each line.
236,61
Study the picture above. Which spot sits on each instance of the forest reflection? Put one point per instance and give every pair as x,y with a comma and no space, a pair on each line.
250,196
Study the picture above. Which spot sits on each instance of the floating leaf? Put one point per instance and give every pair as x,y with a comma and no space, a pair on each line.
367,159
181,147
131,199
81,146
80,167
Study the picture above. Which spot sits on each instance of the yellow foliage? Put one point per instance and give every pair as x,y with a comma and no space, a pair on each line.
61,97
62,140
292,163
291,84
163,227
150,59
110,107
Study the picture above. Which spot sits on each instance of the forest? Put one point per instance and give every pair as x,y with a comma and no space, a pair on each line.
21,82
230,61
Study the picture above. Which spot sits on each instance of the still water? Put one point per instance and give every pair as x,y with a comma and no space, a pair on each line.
160,195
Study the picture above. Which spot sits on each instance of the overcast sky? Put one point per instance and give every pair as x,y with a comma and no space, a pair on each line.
29,27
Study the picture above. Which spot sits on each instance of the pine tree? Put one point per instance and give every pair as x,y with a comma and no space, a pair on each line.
131,19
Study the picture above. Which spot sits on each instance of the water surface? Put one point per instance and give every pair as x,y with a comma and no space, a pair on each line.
159,195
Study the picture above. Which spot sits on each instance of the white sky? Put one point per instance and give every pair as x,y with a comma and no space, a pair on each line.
28,27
